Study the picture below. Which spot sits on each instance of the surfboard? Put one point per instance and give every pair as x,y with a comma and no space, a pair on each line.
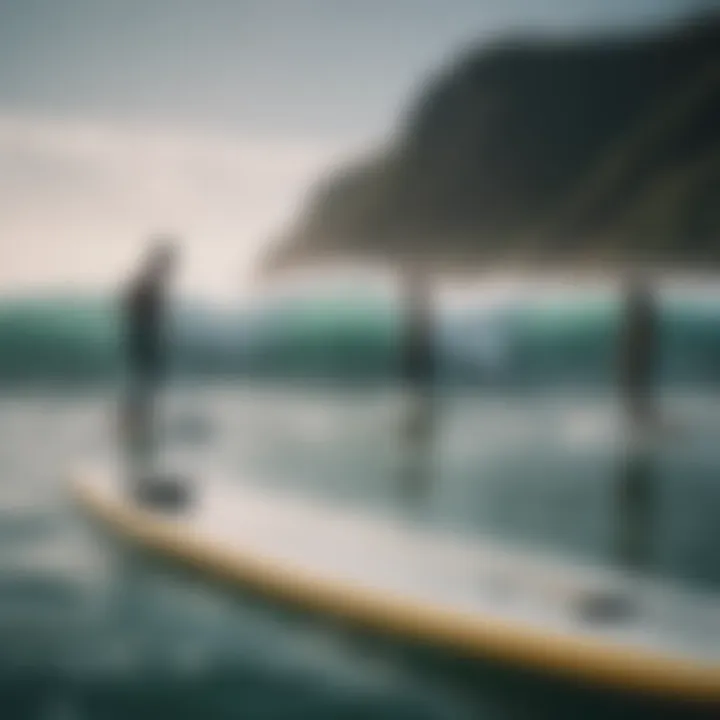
463,593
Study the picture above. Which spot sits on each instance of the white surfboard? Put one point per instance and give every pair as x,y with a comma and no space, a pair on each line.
466,594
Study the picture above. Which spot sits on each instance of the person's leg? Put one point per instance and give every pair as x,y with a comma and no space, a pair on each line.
147,421
138,427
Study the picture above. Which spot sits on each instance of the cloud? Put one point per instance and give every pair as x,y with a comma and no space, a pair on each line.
78,198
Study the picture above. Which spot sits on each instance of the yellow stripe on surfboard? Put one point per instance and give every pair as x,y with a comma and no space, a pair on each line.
596,662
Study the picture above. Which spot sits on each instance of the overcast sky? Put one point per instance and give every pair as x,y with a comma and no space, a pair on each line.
211,117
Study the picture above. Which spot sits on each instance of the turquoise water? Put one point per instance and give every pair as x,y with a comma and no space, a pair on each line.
91,629
524,341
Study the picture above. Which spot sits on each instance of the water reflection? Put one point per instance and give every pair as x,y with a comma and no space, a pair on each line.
417,447
636,499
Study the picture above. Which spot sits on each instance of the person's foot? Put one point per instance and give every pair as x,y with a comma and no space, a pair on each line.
163,491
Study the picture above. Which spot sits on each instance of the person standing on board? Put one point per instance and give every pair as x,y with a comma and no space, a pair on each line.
639,351
145,320
418,362
418,374
638,366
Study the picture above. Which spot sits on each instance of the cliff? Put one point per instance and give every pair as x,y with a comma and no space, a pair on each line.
535,149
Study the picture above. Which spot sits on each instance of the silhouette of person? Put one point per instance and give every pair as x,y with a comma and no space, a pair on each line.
418,374
639,350
145,316
418,361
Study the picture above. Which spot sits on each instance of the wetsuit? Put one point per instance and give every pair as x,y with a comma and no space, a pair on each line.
145,357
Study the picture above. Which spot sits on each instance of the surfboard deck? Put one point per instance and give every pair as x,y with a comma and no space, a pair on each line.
466,594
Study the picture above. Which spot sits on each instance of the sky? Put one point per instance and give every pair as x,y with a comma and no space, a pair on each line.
212,119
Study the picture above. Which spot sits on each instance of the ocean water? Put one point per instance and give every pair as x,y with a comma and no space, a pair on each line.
516,340
90,628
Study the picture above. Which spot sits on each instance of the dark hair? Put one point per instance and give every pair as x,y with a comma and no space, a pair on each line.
161,253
